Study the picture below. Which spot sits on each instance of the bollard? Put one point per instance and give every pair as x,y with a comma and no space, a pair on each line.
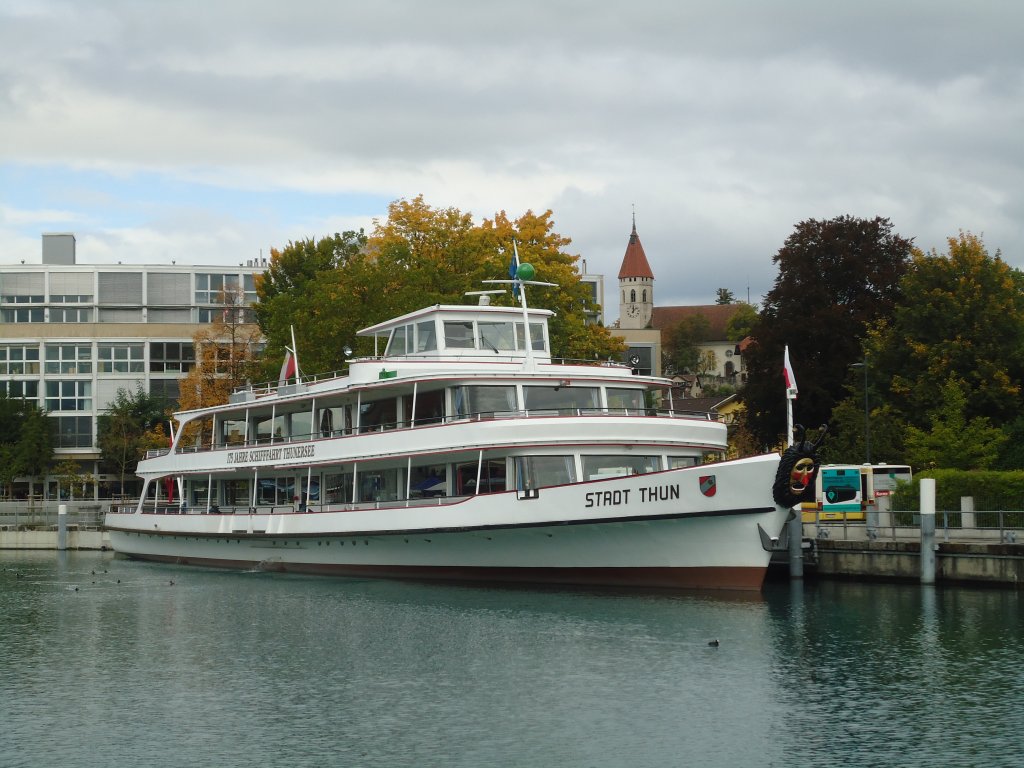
966,512
927,531
796,544
62,527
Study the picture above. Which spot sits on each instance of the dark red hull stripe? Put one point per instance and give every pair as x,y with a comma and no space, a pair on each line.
451,529
708,577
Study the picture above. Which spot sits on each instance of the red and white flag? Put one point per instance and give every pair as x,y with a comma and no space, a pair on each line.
288,368
788,375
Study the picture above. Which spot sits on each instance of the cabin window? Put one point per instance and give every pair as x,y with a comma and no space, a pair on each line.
232,431
429,408
397,345
237,493
379,485
326,422
626,400
564,401
492,478
338,488
485,401
378,415
544,471
677,462
275,491
536,336
429,481
426,336
196,492
458,335
264,429
302,425
600,467
497,337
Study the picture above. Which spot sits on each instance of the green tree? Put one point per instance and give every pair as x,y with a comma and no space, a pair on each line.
121,430
681,352
725,296
835,277
741,323
35,444
952,440
961,318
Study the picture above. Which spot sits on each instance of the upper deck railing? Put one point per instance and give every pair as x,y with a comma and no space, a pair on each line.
260,440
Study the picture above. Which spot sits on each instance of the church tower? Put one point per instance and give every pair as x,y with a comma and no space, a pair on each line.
636,286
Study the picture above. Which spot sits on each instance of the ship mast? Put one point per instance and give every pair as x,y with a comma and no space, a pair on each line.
521,275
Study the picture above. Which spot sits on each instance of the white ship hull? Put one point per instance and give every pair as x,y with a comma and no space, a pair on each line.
691,528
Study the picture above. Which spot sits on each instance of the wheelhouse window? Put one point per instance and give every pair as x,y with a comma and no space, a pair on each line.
485,401
426,336
458,334
498,337
561,400
397,344
536,336
544,471
599,467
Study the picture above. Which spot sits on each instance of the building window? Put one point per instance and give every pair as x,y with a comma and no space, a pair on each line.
645,296
225,289
121,358
169,389
227,315
22,315
16,360
69,395
632,296
22,390
73,431
69,358
71,298
70,315
171,356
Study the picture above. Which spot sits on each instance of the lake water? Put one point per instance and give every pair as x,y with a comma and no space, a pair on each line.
106,662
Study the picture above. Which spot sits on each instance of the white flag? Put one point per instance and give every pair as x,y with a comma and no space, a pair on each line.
787,373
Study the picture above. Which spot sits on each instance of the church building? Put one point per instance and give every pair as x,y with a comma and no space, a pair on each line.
641,323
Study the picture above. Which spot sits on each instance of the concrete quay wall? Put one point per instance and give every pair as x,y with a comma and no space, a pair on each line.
994,564
35,538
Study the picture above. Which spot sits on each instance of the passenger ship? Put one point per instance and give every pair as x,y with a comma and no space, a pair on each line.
463,452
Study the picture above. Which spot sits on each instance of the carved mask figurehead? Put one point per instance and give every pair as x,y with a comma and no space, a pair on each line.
801,474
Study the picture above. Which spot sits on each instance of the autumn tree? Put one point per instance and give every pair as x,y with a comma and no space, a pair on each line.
417,257
835,277
227,357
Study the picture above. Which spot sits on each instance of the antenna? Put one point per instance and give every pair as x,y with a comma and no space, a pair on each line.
522,276
485,296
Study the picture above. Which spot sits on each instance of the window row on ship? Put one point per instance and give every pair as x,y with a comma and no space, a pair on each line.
331,416
424,481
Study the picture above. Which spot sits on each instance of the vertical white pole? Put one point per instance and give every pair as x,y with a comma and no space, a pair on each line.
928,531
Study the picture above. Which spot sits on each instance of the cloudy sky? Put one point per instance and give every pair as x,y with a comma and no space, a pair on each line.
209,132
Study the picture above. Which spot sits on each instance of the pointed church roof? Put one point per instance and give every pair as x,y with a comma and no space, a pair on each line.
634,263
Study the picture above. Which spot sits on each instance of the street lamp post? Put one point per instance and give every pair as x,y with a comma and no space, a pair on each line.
867,421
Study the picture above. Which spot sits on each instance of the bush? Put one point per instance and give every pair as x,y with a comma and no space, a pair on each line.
992,490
